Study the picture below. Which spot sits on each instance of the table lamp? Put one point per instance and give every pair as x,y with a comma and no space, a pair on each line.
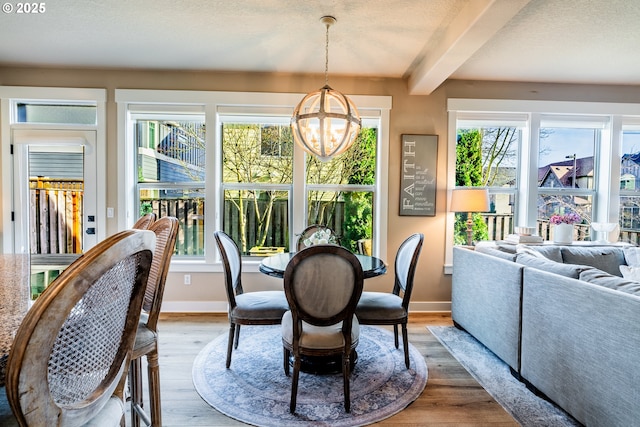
469,200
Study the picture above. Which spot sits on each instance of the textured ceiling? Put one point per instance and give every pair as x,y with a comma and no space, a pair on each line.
423,41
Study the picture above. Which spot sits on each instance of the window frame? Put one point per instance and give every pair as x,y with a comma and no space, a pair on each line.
214,105
606,192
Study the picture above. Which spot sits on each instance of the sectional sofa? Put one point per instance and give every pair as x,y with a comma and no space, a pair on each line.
563,318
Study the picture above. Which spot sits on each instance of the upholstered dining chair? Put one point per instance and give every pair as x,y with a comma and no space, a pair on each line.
146,344
382,308
73,347
323,284
245,308
145,221
310,230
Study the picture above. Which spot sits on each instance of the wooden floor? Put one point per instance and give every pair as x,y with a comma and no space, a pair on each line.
451,398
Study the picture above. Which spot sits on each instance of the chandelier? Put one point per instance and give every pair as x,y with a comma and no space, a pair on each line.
325,123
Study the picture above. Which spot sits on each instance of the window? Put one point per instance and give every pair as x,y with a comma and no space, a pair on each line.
227,161
170,163
567,156
341,192
487,153
257,183
563,157
56,113
629,212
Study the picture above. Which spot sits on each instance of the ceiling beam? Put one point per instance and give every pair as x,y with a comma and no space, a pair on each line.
474,26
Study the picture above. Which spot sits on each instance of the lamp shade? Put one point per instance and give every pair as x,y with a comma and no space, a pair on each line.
470,199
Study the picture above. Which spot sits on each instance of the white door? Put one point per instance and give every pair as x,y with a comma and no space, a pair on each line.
54,191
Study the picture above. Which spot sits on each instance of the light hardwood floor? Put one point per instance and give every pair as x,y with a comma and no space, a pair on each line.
451,398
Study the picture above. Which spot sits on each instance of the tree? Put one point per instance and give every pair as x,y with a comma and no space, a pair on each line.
469,173
243,162
356,167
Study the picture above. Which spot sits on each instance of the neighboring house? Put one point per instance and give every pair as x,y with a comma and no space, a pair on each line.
562,174
630,172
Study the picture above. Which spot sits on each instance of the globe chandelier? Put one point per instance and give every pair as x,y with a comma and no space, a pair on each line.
325,123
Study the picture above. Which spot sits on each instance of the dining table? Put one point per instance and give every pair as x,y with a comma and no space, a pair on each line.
275,266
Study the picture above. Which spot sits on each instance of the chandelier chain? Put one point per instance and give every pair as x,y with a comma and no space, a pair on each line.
326,57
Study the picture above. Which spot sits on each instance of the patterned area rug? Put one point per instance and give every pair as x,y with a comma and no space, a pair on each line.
494,375
256,391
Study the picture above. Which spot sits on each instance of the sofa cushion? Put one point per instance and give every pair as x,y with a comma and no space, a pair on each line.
567,270
603,258
494,251
602,278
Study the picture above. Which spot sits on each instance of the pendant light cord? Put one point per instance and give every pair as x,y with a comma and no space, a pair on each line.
326,57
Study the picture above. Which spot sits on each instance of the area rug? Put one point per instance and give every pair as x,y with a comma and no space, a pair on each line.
494,376
255,389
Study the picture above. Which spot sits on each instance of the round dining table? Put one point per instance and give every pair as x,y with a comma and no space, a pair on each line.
275,265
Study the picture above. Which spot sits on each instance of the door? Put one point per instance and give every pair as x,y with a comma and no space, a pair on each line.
54,191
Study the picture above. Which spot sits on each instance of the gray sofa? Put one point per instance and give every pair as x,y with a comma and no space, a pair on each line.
562,318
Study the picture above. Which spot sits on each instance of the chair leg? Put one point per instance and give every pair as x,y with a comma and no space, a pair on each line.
153,372
237,336
395,335
405,343
232,328
135,390
287,354
346,365
294,383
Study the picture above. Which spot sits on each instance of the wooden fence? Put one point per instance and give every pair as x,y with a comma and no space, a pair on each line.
499,226
55,218
56,221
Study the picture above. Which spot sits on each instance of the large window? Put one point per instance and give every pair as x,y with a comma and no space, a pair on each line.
629,211
170,160
562,157
257,177
487,153
227,161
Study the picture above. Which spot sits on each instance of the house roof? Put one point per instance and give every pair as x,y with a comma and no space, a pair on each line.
563,170
424,42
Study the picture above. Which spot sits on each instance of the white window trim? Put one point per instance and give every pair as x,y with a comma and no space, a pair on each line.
607,185
213,103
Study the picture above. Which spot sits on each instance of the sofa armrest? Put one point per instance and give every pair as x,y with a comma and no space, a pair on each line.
580,346
486,301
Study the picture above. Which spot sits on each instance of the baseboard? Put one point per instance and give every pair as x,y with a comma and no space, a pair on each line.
221,306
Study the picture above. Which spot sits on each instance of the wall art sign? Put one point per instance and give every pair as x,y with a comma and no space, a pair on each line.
418,175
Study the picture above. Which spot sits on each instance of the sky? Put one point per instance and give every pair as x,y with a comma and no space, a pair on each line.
565,142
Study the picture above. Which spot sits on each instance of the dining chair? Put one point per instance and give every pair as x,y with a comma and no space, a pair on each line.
383,308
145,221
323,284
245,308
146,343
310,230
72,350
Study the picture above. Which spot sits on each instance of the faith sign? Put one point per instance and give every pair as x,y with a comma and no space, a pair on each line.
418,175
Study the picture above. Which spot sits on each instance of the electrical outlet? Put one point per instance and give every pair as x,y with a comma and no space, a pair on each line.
187,279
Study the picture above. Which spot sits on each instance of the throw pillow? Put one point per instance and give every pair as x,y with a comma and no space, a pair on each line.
567,270
602,278
493,251
629,272
522,249
632,256
551,252
604,258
